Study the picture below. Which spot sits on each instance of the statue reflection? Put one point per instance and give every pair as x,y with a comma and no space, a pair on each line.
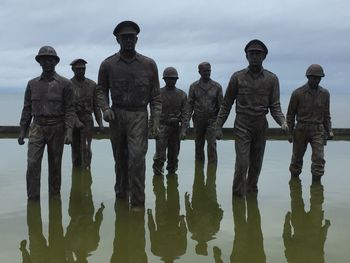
203,214
304,233
82,236
217,255
248,243
129,241
168,234
40,249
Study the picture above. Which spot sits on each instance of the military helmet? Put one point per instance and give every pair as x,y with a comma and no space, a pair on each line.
170,72
315,70
46,51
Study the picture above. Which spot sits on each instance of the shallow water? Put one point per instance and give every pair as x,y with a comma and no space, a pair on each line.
286,222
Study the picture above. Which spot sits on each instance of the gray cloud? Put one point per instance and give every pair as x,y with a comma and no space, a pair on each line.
181,34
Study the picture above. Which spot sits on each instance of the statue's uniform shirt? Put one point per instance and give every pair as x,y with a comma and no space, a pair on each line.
133,84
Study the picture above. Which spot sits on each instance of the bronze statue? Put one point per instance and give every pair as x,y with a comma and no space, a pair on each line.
85,101
48,100
172,123
167,230
305,233
309,105
256,92
204,100
132,80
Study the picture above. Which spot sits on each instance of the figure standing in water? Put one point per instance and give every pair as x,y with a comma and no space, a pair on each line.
256,92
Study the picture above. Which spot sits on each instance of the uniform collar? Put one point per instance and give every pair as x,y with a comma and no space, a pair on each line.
312,91
201,81
136,57
247,70
53,77
77,81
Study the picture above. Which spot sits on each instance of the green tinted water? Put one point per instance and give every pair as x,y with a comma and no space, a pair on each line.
188,218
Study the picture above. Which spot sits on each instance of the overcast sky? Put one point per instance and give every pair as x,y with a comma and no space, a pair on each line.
180,33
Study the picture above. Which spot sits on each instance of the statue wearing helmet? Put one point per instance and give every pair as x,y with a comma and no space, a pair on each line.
172,124
48,114
309,106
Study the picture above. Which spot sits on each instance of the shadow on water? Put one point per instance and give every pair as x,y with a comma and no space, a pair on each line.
168,232
82,234
203,213
304,233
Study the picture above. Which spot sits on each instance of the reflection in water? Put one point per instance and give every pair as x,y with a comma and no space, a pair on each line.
168,232
217,255
82,235
204,214
304,234
129,241
41,251
248,243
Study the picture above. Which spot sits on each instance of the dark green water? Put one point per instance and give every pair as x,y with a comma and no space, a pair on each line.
188,218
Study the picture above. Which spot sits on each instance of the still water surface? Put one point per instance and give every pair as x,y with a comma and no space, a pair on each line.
190,217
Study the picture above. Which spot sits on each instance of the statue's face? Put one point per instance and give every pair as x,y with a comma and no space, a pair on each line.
48,63
255,57
170,82
127,42
205,73
313,81
79,71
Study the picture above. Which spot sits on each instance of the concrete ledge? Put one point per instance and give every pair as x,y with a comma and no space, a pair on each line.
341,134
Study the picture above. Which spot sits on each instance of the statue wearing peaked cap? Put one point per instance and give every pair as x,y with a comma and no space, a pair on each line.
255,91
85,102
132,81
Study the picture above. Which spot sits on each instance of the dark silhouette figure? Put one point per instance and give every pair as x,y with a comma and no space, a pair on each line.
309,105
304,233
48,100
256,92
129,241
172,124
85,101
132,80
204,100
248,245
82,236
168,232
217,255
40,249
203,214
